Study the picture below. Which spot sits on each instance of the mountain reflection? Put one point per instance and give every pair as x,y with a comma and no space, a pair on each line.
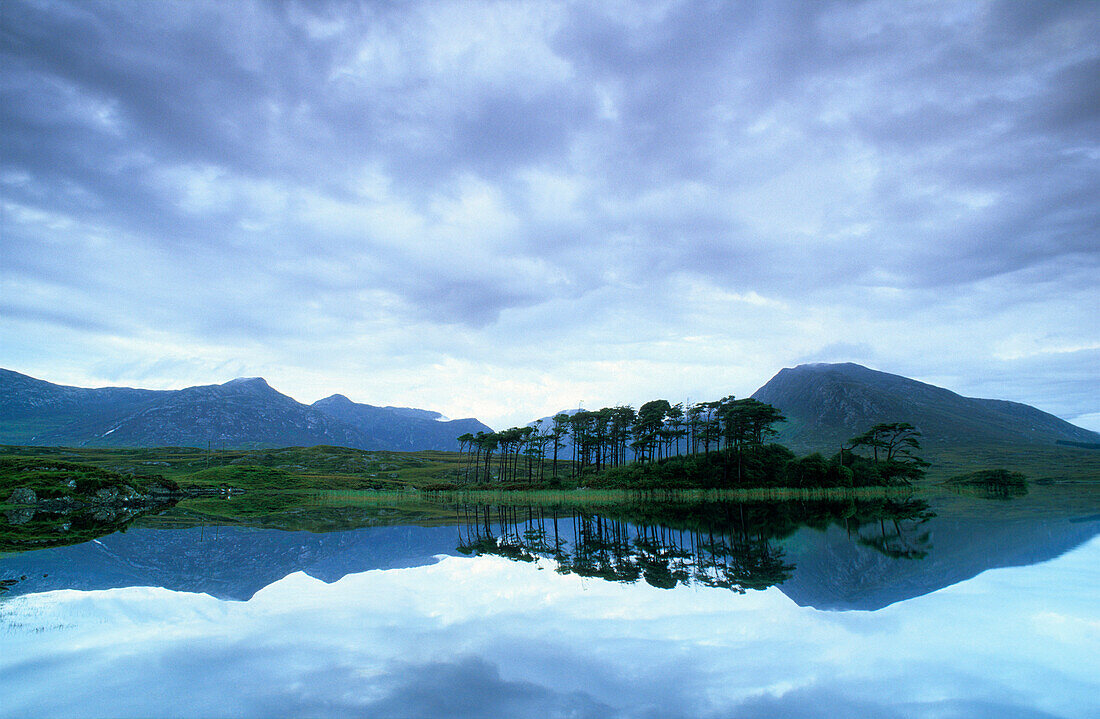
733,546
831,554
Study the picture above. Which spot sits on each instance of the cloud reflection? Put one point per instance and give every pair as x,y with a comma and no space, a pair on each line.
485,637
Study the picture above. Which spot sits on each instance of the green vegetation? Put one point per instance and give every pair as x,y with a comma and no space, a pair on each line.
52,502
618,447
720,445
51,478
1042,464
713,445
990,478
615,436
993,483
287,469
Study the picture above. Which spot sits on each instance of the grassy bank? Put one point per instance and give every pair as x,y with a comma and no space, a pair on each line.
308,469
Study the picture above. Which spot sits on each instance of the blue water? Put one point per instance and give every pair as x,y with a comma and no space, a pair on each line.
392,622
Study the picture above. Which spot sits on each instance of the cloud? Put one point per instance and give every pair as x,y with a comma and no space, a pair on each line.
463,175
468,687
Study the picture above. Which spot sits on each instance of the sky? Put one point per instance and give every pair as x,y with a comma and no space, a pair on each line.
506,209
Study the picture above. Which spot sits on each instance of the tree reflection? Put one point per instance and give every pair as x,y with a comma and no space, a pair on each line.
734,546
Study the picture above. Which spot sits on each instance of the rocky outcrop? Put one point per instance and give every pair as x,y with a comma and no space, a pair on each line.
107,504
22,495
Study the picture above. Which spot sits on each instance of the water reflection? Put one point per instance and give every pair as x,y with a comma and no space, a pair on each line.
689,610
847,555
713,544
27,529
490,637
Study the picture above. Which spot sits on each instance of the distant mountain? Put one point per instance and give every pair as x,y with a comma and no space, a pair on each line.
826,404
242,413
545,424
400,428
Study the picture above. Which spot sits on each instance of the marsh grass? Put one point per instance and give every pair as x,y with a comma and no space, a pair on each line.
586,497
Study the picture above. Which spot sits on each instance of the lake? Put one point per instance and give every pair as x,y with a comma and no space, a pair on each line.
950,607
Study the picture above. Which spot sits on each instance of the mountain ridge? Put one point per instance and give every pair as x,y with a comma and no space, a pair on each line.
402,428
242,413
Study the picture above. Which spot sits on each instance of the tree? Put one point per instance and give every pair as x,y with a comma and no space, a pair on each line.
676,427
647,428
752,421
559,430
489,443
466,444
893,446
622,420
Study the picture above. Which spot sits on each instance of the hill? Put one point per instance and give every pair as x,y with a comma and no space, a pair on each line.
826,404
241,413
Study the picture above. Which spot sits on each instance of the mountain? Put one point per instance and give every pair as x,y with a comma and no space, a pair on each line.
400,428
826,404
242,413
30,407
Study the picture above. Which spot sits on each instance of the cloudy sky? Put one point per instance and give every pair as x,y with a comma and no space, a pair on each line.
501,209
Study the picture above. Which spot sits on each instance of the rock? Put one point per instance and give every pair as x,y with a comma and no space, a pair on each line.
23,496
105,515
20,516
129,494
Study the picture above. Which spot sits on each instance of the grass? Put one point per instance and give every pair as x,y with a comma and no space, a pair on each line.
294,470
298,468
1041,463
584,497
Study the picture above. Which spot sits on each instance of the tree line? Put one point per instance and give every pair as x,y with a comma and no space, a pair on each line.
613,437
720,443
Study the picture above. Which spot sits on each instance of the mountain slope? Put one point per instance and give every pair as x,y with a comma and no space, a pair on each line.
242,413
399,428
31,408
826,404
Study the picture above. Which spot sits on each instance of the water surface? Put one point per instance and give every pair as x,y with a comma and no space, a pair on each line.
728,610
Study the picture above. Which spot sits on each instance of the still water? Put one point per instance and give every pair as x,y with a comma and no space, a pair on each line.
746,610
